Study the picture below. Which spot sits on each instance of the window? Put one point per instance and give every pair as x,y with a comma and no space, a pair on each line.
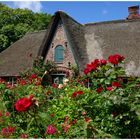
59,54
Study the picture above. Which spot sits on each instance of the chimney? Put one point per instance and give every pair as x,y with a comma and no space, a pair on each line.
133,12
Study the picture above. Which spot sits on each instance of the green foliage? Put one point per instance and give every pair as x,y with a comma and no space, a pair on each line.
43,70
15,23
71,110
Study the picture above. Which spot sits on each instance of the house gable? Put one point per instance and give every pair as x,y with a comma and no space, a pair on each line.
60,39
74,33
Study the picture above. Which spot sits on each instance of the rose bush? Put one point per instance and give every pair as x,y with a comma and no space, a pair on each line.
103,103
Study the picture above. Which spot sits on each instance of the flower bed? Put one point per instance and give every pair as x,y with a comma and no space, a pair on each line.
110,108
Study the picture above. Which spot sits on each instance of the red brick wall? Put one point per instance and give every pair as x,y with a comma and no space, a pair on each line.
61,39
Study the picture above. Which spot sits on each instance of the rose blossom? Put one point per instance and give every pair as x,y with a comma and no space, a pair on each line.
54,85
116,84
23,104
23,82
24,135
0,114
103,62
100,89
76,93
8,130
60,86
33,76
51,129
115,59
7,114
110,88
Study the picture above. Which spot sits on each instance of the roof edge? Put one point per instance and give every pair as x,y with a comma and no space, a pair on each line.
63,13
112,21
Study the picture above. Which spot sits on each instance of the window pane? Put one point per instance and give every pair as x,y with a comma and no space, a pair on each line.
59,54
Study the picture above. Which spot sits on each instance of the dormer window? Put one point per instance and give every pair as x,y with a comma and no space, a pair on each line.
59,54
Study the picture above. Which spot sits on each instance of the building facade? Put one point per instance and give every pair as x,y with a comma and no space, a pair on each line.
69,43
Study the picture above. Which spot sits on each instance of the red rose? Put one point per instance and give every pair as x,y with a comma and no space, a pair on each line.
91,67
76,93
8,130
33,76
86,71
103,62
54,85
23,104
23,82
119,57
100,89
116,84
51,129
5,132
115,59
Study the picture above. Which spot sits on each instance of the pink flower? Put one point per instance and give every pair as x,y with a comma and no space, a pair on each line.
74,121
84,113
0,114
87,119
67,128
24,136
66,119
109,88
7,114
51,129
10,86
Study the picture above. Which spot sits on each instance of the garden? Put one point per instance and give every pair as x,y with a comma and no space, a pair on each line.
101,103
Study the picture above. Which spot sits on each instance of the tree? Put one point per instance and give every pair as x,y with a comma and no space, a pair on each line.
15,23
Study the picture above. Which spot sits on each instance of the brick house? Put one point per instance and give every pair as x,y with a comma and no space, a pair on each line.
67,42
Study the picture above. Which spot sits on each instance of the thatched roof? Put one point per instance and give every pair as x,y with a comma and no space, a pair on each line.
20,55
89,41
122,37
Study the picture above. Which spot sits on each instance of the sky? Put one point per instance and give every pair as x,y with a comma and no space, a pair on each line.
83,12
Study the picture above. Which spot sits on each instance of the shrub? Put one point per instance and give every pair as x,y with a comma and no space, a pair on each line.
110,108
